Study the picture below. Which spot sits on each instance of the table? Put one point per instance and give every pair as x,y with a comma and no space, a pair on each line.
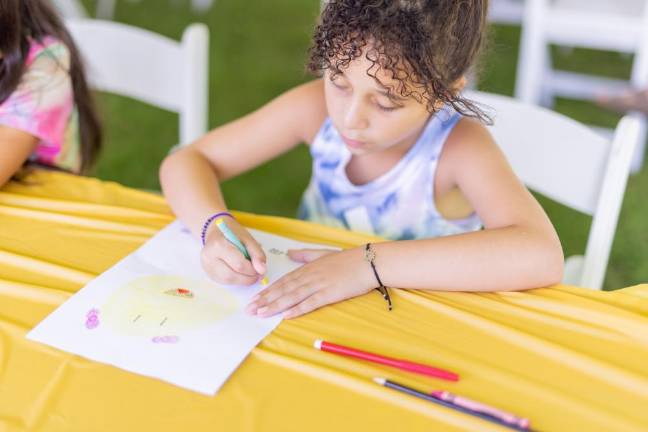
565,357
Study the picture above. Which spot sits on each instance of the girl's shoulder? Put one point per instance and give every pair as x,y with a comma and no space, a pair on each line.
48,50
469,150
468,137
46,79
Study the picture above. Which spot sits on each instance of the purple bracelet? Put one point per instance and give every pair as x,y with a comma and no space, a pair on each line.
208,222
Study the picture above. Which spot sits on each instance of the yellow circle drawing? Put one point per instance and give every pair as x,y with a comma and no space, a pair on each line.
155,306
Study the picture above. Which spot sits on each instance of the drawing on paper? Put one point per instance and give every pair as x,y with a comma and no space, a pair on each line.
277,252
161,308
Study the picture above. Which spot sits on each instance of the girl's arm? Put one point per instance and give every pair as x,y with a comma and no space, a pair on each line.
518,249
190,177
15,148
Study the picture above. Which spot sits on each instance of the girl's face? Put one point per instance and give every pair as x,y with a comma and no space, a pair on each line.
368,120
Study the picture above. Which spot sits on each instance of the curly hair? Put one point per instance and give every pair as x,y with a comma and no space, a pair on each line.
424,45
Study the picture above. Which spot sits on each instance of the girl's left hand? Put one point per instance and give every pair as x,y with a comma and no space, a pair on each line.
327,277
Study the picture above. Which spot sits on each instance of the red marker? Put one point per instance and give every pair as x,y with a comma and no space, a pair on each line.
397,363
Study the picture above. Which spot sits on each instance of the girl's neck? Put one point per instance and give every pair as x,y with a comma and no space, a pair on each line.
364,168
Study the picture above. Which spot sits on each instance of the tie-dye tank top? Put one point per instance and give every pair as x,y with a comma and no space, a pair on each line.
398,205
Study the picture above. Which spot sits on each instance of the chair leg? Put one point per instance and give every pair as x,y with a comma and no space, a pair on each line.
201,5
639,81
640,151
573,270
532,56
71,8
105,9
547,93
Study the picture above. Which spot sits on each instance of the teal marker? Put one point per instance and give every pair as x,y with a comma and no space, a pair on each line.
229,235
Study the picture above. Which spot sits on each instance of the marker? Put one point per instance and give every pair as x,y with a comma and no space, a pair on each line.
401,388
229,235
388,361
482,408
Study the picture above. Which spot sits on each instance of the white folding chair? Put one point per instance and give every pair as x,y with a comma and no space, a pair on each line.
614,25
505,11
568,162
133,62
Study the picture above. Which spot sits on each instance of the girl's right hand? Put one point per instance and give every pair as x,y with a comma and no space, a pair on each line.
224,263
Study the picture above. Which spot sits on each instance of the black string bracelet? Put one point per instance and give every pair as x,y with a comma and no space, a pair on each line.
370,256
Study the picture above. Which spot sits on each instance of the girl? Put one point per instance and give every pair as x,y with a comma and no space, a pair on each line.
46,112
396,149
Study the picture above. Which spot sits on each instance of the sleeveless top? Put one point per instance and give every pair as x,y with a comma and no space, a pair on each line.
398,205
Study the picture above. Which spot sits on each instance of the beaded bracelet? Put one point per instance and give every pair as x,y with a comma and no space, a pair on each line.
370,256
209,221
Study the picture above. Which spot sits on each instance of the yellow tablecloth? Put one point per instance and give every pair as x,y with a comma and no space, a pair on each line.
569,359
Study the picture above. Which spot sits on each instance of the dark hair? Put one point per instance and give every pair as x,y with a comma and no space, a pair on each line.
424,45
22,21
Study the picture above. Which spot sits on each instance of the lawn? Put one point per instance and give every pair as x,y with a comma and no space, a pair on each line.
258,49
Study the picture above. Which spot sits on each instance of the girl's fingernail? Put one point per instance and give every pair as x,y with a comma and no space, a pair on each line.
251,309
262,310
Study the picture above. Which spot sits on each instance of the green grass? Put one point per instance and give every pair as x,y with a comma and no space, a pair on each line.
258,49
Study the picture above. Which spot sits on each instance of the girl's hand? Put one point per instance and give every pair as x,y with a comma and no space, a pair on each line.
224,263
327,277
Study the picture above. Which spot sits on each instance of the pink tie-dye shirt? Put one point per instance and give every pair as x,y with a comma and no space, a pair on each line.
43,106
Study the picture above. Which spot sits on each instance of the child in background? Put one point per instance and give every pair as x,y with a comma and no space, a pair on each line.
397,151
46,110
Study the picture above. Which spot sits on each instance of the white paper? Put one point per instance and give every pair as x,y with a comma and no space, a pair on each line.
157,313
